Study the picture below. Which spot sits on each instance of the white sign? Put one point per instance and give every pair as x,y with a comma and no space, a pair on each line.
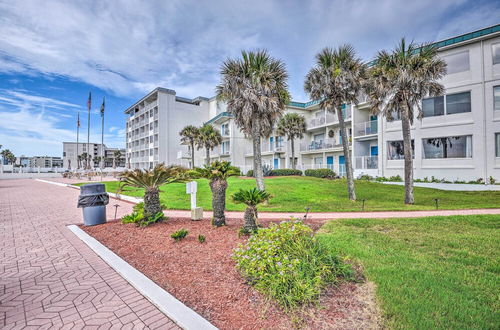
192,188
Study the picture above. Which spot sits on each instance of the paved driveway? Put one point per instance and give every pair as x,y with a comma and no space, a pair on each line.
49,278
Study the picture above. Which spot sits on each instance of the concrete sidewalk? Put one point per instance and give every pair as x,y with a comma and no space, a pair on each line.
51,279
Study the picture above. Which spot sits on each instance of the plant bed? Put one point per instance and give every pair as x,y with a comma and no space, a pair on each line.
204,277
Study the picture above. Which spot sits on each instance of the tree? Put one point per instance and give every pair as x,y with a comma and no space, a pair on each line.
293,126
397,83
79,161
117,155
208,138
189,134
256,91
337,79
89,161
251,198
84,158
218,172
150,181
97,160
8,156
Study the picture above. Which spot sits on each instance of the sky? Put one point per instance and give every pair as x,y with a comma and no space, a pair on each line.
53,53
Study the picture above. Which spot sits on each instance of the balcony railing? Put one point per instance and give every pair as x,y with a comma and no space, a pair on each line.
266,146
327,119
320,145
366,128
366,162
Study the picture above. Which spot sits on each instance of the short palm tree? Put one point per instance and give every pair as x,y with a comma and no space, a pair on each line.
397,83
251,198
218,172
97,161
208,138
189,134
7,155
150,181
337,78
256,91
84,157
79,161
117,155
293,126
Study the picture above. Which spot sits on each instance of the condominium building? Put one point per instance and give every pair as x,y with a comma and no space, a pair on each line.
41,161
457,138
70,155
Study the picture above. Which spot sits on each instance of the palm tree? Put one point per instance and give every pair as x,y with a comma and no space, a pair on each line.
89,161
97,161
336,79
150,181
189,134
293,126
84,157
117,155
251,198
217,173
208,138
256,91
8,156
397,83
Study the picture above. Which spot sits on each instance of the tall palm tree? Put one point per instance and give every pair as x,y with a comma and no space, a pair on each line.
150,181
251,198
97,161
79,161
89,161
208,138
336,79
293,126
256,91
397,83
84,157
117,155
8,156
218,172
189,134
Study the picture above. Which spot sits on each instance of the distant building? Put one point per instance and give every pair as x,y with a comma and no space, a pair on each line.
45,161
23,161
95,150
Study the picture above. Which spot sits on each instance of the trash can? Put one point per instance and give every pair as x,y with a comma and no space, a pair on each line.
93,200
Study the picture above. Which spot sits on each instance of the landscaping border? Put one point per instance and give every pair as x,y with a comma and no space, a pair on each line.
181,314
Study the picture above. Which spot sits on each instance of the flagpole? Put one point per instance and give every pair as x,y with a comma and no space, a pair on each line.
89,104
77,140
102,131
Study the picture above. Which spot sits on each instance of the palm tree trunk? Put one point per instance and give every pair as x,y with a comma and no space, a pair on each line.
207,156
408,154
257,157
192,154
293,153
250,217
218,187
152,203
347,155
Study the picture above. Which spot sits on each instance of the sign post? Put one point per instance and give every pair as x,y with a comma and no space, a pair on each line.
192,189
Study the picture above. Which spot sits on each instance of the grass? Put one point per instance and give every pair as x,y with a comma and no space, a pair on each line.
293,194
431,273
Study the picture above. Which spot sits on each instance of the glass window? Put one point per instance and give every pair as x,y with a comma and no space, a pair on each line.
395,116
319,137
497,144
433,106
457,62
495,50
496,98
395,150
448,147
458,103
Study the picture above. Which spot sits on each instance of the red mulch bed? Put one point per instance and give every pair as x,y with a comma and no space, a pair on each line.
203,276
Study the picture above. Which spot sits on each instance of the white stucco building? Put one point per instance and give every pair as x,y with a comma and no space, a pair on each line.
458,138
95,150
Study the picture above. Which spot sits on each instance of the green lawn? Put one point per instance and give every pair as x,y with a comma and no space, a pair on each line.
293,194
431,273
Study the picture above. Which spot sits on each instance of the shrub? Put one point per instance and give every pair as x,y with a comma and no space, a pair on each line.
365,177
250,173
325,173
201,238
180,234
288,263
285,172
137,216
492,180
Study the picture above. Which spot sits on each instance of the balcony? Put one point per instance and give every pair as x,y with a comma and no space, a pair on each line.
366,162
267,147
327,119
320,145
225,133
366,128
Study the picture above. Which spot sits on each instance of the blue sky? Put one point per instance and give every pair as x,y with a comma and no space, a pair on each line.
52,53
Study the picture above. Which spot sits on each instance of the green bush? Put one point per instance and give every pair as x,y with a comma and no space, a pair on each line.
285,172
201,238
180,234
288,263
137,216
250,173
325,173
365,177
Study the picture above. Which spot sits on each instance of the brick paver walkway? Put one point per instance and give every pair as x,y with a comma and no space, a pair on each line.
49,278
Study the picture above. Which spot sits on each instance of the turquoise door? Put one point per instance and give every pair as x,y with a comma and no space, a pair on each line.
341,160
276,163
329,162
271,146
374,151
373,125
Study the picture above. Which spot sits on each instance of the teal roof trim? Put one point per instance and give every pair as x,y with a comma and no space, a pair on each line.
220,115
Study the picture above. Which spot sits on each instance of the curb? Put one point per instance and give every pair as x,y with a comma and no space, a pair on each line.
181,314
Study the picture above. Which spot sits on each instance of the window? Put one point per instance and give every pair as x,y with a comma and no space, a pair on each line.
497,145
395,116
318,161
496,98
225,147
458,103
224,128
495,50
448,104
319,137
395,150
458,62
433,106
448,147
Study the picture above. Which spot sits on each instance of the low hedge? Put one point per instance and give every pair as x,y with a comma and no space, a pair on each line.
279,172
324,173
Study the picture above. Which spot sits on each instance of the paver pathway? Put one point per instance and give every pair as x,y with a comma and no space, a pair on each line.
49,278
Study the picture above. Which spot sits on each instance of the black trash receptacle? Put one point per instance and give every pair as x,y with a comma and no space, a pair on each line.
93,200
